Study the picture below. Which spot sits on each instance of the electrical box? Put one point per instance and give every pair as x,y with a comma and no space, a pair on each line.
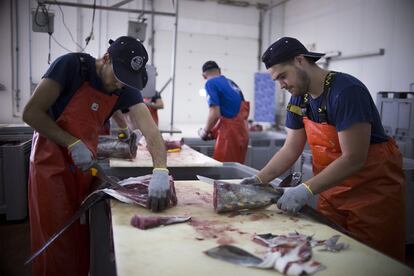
137,30
42,22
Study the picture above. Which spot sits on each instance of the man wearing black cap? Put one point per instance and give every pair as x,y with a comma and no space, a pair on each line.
227,118
76,95
357,167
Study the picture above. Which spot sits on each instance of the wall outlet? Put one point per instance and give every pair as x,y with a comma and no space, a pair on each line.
42,23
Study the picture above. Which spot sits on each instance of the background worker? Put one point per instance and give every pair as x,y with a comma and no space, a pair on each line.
357,167
76,95
227,117
154,103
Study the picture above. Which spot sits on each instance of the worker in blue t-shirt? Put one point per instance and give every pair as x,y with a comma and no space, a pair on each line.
76,95
227,117
357,168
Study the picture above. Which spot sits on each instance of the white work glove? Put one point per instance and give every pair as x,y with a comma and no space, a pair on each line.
204,135
294,198
81,155
158,190
251,180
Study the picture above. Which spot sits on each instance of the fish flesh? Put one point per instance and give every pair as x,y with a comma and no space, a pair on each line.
134,190
173,144
289,254
231,197
113,147
147,222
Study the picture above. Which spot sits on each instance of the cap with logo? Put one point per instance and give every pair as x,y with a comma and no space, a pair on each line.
284,49
129,57
208,65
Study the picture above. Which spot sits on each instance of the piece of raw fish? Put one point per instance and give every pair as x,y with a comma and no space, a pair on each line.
146,222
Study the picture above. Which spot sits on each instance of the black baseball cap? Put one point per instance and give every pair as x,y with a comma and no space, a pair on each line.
208,65
129,57
284,49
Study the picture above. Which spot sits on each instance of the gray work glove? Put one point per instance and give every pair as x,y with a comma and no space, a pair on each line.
293,199
158,190
82,157
205,135
251,180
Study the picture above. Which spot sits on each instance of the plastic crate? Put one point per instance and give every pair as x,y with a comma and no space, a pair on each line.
204,147
14,166
397,113
262,146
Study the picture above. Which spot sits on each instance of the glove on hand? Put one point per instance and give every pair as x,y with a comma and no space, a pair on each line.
293,199
82,157
205,135
251,180
158,190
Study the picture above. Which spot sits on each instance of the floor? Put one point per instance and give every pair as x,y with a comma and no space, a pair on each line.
15,248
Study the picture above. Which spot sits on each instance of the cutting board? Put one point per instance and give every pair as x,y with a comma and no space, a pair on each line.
178,249
187,157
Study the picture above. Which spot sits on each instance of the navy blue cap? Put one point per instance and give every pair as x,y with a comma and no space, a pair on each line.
284,49
208,65
129,57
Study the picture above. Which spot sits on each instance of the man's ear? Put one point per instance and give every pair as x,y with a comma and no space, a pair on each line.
299,59
204,76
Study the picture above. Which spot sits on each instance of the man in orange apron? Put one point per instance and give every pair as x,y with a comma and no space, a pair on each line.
357,168
70,105
227,118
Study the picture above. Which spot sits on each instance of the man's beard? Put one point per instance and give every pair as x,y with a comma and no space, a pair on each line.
303,82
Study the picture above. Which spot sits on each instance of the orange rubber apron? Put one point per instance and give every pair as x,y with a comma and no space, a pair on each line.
57,187
153,111
232,136
369,204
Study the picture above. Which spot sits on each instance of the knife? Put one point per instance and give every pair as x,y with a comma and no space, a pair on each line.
97,171
205,179
108,182
306,210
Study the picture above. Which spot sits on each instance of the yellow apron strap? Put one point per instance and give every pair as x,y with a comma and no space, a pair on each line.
295,109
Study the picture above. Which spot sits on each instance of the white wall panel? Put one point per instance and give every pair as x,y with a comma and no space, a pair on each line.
228,35
357,27
6,99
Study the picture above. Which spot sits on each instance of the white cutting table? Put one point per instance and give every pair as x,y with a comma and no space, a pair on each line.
178,249
187,157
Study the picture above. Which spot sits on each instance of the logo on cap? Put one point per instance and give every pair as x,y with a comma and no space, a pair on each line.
136,62
95,106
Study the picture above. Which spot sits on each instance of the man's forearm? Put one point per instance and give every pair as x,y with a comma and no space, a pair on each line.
213,116
279,163
156,147
46,126
337,171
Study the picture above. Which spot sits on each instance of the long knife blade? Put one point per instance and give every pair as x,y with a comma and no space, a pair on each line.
205,179
96,170
88,203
